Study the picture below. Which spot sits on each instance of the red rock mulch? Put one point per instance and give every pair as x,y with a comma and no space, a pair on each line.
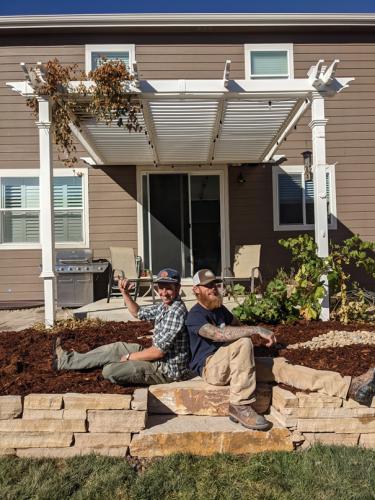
26,356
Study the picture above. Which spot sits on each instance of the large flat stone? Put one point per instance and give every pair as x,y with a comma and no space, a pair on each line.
190,397
367,440
52,425
43,401
284,420
283,399
331,438
318,400
308,412
196,397
102,439
360,425
116,420
202,435
73,401
10,407
74,414
139,399
42,414
35,439
73,451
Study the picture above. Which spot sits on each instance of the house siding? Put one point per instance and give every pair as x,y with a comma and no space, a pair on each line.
112,190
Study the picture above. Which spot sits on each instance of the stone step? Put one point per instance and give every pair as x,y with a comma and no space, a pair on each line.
202,435
196,397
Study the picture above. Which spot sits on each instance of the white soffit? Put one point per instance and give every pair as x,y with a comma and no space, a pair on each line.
195,131
117,146
183,129
249,127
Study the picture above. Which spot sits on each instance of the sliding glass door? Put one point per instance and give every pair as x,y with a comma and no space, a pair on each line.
181,222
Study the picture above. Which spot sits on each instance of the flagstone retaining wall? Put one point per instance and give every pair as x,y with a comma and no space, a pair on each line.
64,425
325,419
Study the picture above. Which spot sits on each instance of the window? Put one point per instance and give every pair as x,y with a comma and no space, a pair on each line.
96,54
19,209
293,199
268,61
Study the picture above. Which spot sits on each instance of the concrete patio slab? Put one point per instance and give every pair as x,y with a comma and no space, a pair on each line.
116,311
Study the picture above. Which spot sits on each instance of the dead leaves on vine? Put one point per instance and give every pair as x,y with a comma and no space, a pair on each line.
108,100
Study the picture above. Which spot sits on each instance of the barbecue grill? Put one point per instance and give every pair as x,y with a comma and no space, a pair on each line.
76,272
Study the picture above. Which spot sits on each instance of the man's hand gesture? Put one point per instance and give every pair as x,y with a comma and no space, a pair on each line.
267,335
125,286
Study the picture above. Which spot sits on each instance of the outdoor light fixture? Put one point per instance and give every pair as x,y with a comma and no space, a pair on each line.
241,179
307,162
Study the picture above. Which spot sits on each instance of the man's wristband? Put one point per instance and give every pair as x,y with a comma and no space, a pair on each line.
127,356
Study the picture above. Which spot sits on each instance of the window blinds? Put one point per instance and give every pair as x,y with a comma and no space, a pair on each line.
271,63
98,58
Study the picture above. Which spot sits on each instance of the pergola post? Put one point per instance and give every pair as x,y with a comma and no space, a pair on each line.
318,126
47,238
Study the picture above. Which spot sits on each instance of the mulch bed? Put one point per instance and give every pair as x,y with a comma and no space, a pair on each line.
26,356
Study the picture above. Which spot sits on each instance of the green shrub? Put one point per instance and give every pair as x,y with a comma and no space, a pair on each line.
298,295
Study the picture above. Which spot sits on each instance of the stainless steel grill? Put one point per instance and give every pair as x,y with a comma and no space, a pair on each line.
75,272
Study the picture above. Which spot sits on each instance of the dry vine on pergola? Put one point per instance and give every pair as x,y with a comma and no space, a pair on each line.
105,100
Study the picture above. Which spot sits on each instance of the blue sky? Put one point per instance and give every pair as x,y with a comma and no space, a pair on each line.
24,7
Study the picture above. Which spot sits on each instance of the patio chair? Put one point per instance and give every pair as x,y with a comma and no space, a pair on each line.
245,266
125,264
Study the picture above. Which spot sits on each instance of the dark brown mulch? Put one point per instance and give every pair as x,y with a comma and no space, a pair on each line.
26,356
348,360
302,331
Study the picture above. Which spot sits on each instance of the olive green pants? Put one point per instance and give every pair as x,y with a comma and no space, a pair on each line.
108,357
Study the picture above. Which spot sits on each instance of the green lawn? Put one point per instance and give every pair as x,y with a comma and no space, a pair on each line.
319,473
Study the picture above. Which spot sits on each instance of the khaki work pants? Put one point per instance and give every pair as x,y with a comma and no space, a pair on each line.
108,357
234,364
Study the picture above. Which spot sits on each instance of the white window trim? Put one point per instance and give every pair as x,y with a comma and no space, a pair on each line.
57,172
274,47
108,48
298,169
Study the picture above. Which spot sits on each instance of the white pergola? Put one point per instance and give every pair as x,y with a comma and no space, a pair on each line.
202,122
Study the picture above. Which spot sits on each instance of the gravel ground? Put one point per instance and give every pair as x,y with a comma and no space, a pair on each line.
337,338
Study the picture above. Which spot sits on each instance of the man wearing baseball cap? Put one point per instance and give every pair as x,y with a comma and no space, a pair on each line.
127,363
221,350
222,353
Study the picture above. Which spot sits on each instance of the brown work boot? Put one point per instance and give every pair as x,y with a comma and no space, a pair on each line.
248,417
362,388
57,352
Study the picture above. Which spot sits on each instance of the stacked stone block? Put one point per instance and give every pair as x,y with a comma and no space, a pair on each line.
65,425
325,419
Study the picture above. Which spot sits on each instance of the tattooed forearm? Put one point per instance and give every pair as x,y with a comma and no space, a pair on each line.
230,333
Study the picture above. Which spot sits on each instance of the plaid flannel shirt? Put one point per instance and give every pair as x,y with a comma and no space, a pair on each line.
170,336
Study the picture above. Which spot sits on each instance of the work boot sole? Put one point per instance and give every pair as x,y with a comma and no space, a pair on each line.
255,427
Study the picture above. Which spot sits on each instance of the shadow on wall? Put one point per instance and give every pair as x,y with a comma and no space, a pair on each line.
251,222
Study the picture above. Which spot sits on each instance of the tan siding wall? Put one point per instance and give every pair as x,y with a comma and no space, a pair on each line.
112,190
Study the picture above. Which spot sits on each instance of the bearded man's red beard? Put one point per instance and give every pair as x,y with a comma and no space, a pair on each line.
212,302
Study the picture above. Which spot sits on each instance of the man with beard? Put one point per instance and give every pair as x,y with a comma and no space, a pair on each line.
222,353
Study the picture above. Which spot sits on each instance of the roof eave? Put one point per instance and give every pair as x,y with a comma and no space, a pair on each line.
184,20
